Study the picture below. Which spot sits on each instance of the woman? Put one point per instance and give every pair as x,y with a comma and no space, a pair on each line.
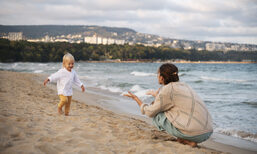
177,109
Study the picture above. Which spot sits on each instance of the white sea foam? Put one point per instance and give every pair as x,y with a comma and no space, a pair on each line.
86,77
182,74
14,65
135,73
221,79
140,92
239,134
41,64
38,71
111,89
136,88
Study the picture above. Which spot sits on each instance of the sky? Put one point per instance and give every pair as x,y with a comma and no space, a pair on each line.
206,20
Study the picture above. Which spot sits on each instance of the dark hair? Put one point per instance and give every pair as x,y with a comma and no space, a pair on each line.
169,72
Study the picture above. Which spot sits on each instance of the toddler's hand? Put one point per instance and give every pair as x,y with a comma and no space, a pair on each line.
45,82
82,88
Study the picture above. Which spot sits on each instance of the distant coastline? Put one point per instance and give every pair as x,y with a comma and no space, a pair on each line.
22,51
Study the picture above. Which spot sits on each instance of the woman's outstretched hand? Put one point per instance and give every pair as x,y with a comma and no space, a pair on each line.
152,92
130,95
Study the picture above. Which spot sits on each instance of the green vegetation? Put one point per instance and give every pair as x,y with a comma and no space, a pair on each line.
23,51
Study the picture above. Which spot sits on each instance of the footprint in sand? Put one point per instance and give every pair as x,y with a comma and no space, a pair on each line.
75,129
48,148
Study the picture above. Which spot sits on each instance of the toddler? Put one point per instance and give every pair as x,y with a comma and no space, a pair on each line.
65,77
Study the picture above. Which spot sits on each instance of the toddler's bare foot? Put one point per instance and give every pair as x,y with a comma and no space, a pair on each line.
60,110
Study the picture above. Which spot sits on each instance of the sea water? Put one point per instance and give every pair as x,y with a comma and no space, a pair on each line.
228,90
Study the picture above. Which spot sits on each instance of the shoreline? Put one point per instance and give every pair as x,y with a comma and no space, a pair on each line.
33,125
217,141
151,61
173,61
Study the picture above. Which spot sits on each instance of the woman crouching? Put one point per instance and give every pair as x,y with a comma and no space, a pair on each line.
177,108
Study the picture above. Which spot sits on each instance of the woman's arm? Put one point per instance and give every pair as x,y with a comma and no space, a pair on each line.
162,102
149,110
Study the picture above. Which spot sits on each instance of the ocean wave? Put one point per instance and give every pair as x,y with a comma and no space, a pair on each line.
222,79
182,74
111,89
38,71
198,81
86,77
142,74
185,70
14,65
42,64
125,85
239,134
135,88
251,103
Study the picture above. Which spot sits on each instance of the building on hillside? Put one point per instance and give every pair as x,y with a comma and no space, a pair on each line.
215,47
61,40
4,37
34,40
15,36
105,41
121,42
175,44
111,41
200,49
187,46
101,40
210,46
92,40
47,39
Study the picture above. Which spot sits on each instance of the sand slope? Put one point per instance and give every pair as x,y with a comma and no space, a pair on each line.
30,124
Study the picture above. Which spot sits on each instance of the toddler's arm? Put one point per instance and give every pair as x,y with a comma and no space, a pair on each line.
53,77
78,82
56,76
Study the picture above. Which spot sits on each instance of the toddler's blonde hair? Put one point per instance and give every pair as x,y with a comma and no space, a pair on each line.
67,56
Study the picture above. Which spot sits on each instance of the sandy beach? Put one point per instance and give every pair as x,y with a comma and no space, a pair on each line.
30,124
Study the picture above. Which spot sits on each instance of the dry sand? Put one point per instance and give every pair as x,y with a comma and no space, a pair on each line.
30,124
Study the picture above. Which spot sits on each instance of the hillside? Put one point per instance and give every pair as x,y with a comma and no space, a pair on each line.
38,31
77,34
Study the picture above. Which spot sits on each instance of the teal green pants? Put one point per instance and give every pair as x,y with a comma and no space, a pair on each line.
162,123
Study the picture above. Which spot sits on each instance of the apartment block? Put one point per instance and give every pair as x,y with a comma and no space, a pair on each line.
15,36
